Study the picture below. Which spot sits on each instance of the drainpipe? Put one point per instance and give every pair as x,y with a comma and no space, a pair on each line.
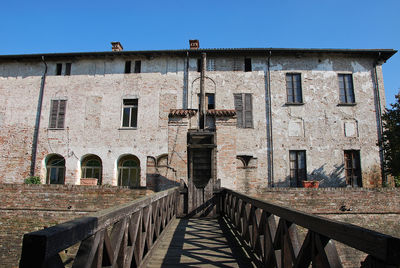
186,83
269,126
37,123
379,120
202,108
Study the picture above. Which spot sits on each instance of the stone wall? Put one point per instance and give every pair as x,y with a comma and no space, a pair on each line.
28,208
95,90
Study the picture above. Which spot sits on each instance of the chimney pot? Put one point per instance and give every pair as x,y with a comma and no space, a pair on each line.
194,44
116,46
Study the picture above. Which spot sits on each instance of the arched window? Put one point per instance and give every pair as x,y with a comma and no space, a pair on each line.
92,168
129,171
55,170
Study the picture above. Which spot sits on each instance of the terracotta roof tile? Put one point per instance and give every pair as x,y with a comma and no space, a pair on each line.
182,112
221,112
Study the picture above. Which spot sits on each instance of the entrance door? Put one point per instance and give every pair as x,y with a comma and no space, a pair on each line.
201,181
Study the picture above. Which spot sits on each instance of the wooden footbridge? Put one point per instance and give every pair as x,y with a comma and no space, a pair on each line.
229,230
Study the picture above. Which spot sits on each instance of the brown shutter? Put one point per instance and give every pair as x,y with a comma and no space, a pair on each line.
61,113
248,111
239,109
53,114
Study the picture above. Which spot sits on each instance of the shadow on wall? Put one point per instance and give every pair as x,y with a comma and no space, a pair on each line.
335,178
157,182
159,175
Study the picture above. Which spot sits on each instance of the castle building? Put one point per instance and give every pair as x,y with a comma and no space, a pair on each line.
250,118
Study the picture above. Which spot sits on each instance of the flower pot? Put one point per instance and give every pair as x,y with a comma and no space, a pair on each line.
310,184
88,181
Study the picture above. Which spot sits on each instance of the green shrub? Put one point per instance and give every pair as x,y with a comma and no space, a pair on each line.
397,181
33,180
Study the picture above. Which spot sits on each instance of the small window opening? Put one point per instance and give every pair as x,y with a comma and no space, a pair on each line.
59,69
127,66
247,65
210,101
68,68
138,66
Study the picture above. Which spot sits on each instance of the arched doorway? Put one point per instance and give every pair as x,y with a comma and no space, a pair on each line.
129,171
55,167
92,168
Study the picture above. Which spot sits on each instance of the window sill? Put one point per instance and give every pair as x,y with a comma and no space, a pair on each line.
127,128
347,104
55,128
294,103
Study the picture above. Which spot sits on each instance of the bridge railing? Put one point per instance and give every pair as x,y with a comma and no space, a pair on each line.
120,236
276,244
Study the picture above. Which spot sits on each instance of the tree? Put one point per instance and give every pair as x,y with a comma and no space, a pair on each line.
391,139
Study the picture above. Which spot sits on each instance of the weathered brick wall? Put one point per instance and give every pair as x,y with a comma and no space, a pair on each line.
376,209
96,87
28,208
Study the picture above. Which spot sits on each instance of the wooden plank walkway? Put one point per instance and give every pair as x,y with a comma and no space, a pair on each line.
198,243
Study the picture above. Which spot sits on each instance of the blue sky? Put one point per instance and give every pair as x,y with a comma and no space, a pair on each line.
71,26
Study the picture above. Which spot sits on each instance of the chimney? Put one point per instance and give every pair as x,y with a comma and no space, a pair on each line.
116,46
194,44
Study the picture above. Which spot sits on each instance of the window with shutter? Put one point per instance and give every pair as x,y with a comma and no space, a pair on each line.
57,113
346,91
293,88
244,110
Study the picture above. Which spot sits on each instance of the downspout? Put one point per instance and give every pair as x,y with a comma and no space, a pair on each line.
186,83
379,121
37,123
269,126
202,106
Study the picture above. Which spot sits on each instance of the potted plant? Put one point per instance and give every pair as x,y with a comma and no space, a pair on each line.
88,181
310,184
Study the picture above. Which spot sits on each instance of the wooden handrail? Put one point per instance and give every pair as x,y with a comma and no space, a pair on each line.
253,214
135,226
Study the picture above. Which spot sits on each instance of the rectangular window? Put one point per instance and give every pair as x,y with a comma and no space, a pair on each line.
346,90
210,64
293,88
59,69
298,170
129,113
247,65
237,64
128,64
138,66
352,168
68,68
210,101
57,113
244,110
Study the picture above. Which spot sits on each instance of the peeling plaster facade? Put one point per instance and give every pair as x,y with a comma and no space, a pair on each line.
95,90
